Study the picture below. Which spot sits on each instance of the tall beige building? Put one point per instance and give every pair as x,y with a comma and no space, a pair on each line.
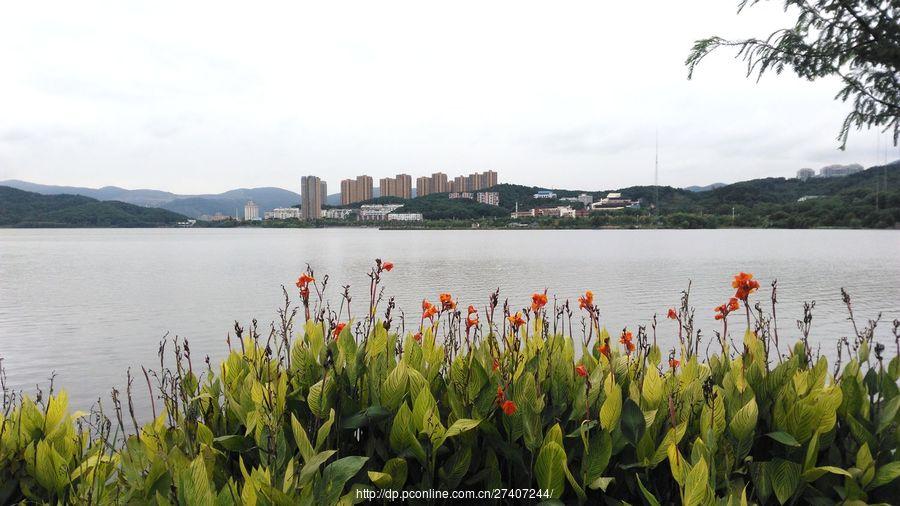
356,190
439,183
423,186
490,178
398,186
313,192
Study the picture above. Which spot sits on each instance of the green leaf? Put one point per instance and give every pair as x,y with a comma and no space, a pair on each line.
696,487
601,483
301,439
814,473
549,471
394,387
650,498
312,465
612,406
784,438
233,443
744,421
785,476
885,474
336,475
866,464
633,423
324,430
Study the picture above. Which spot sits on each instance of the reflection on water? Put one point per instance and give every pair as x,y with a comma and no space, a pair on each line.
88,304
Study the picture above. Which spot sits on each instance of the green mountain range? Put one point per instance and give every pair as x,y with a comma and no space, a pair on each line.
20,208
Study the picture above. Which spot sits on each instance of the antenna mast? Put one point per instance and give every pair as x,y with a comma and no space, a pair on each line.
656,172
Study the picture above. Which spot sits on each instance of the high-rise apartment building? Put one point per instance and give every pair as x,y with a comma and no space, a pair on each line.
439,183
356,190
313,192
423,186
398,186
251,211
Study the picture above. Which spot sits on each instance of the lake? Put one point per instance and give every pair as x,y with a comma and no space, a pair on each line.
88,303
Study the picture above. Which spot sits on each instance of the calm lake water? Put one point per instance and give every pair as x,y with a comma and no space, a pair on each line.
88,304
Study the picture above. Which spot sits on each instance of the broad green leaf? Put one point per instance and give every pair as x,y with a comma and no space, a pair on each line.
301,439
814,473
336,475
784,438
885,474
612,406
785,476
549,471
633,423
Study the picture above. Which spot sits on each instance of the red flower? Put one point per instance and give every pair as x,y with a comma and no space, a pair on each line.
496,365
501,395
626,340
425,304
510,408
516,320
586,301
430,312
604,349
672,314
387,266
581,371
472,318
674,362
447,302
418,337
538,301
338,329
744,284
304,280
723,310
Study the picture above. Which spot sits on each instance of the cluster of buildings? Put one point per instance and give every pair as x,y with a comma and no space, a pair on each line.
372,212
356,190
440,183
829,171
611,202
489,198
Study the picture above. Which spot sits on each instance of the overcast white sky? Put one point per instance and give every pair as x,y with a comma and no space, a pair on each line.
198,97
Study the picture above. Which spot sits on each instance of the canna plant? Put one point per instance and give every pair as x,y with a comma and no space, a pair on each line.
323,409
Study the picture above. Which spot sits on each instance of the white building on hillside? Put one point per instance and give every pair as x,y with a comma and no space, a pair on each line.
251,211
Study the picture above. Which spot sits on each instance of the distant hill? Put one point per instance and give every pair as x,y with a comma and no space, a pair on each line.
267,198
20,208
704,188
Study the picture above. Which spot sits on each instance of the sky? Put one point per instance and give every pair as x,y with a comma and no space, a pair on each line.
203,97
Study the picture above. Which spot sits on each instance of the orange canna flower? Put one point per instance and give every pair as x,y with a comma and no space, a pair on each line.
426,305
538,301
723,310
472,309
581,370
604,349
674,362
304,280
672,314
447,302
496,365
387,266
471,321
430,312
516,320
418,337
501,395
509,408
744,285
338,329
586,301
626,340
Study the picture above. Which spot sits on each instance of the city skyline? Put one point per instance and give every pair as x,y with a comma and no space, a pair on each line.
96,95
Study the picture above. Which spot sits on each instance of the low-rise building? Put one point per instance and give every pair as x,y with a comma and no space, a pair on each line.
461,195
283,213
545,194
556,212
614,201
404,217
376,212
805,173
522,214
337,214
489,198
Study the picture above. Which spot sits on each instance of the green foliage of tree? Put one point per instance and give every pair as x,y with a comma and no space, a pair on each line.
857,41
